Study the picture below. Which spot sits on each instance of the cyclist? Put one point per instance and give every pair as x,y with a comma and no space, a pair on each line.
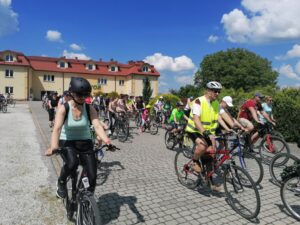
52,104
145,116
158,105
167,109
225,119
187,108
130,104
267,108
177,117
72,131
121,104
203,122
65,98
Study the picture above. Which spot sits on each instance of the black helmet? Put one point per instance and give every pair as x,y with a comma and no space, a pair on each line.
80,86
179,104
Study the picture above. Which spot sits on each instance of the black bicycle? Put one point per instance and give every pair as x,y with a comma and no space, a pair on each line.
3,106
79,199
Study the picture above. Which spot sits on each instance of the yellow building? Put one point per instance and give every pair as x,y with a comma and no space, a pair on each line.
31,76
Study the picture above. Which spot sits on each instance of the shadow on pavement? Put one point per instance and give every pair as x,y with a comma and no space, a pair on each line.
110,204
105,168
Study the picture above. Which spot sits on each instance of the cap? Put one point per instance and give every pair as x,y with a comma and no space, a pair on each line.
161,97
228,100
258,94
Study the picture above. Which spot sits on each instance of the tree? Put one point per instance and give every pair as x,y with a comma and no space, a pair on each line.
187,91
236,68
147,91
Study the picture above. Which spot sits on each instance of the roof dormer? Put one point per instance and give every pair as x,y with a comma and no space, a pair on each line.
113,68
90,66
62,64
9,57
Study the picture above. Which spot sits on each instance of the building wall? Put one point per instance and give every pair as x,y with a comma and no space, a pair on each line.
19,80
138,85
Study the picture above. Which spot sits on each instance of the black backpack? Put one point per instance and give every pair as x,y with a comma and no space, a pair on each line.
87,108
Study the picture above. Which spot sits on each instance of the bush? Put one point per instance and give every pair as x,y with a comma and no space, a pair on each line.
172,98
98,93
113,94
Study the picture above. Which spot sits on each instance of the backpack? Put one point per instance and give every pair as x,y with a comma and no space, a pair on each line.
87,108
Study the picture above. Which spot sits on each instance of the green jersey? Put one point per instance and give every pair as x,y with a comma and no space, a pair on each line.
177,114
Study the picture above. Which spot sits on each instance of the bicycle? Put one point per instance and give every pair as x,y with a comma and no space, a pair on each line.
290,190
11,102
181,138
151,126
278,163
122,127
79,199
236,180
3,106
248,161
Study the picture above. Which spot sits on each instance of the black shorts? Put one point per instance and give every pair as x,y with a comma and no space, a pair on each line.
196,135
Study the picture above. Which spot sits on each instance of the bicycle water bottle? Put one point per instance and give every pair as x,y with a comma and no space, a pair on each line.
100,155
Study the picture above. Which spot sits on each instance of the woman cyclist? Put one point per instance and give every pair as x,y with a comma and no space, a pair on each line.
72,131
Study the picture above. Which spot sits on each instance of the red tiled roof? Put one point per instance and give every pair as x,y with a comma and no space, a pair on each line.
21,59
79,66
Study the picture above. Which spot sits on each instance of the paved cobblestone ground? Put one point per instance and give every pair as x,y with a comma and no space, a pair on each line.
138,185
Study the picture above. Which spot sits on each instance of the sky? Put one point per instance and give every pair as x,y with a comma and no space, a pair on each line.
172,35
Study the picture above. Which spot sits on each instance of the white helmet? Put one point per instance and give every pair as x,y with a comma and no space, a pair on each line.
214,85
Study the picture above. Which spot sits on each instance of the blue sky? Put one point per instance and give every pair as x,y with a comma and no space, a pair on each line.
173,35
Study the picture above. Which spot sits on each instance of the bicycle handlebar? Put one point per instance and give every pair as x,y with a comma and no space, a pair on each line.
107,147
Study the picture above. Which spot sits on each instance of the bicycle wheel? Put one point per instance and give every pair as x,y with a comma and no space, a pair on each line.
277,134
244,199
169,140
13,103
251,164
123,132
184,172
153,128
278,163
4,108
188,146
88,211
270,146
290,195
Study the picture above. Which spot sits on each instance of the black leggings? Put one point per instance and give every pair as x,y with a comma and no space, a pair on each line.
51,113
71,160
112,119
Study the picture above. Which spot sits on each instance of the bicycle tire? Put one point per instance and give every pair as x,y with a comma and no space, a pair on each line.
286,190
277,134
4,108
122,132
250,165
153,128
184,172
233,175
169,140
88,211
264,150
277,164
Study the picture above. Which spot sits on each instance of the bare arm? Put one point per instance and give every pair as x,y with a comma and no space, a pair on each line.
227,119
198,123
254,114
97,126
223,124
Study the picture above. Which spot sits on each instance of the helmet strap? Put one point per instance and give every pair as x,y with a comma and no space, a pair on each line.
75,100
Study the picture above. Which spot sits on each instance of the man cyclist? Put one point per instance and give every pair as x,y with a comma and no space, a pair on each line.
158,105
203,122
72,131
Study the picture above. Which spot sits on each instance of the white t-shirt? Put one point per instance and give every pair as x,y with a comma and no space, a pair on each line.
221,110
196,109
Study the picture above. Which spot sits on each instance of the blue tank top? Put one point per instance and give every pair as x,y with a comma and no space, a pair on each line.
76,129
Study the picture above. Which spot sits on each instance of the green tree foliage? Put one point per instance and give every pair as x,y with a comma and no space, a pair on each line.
167,97
187,91
147,91
236,68
113,94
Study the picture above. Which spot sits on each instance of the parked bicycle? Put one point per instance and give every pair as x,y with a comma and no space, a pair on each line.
3,107
79,200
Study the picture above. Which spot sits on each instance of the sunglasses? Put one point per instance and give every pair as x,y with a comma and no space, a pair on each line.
217,91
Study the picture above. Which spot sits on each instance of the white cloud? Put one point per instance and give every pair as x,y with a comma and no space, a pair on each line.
288,71
263,21
297,68
184,80
293,53
75,47
73,55
53,35
167,63
212,39
8,18
162,84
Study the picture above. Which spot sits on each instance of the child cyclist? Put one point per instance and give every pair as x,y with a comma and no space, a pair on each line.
145,116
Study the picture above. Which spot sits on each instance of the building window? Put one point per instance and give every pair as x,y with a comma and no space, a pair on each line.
62,64
113,69
145,69
48,78
9,90
102,81
121,82
9,58
9,73
90,67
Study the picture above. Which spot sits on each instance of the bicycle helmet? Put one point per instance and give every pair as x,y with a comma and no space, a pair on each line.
179,104
214,85
80,86
148,106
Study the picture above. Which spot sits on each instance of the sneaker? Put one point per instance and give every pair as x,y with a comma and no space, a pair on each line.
197,168
61,191
216,187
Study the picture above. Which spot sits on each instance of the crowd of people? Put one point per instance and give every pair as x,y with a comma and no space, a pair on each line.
203,116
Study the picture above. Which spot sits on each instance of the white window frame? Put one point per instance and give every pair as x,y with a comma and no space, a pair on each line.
60,64
113,68
90,67
102,81
9,73
10,89
121,82
9,58
145,69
